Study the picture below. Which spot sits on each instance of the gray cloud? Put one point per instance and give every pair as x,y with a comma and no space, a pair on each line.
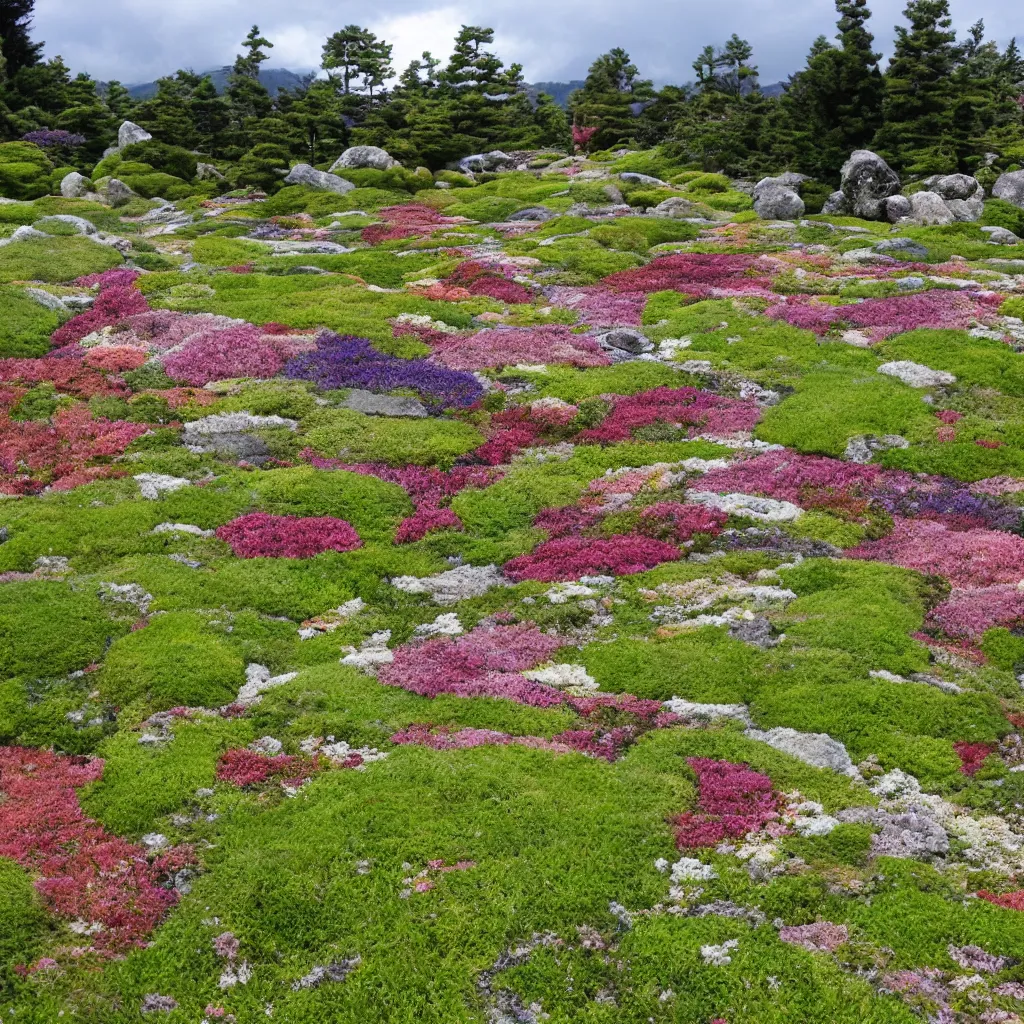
136,40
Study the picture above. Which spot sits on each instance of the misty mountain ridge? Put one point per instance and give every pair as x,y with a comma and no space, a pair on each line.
276,79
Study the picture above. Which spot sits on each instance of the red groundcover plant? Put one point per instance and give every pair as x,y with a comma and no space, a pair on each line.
967,558
68,373
260,535
569,558
672,521
690,408
63,453
84,873
732,802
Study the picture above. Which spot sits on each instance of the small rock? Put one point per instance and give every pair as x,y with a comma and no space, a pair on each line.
383,405
916,375
776,202
80,224
863,449
642,179
117,193
928,208
896,208
533,213
837,204
675,208
1001,236
902,247
626,340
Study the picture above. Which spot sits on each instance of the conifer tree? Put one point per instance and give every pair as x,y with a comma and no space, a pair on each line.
834,105
611,98
917,103
16,45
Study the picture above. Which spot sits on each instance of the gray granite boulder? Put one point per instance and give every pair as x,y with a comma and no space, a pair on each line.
304,174
75,185
897,207
928,208
777,202
129,133
1010,188
837,204
356,157
533,213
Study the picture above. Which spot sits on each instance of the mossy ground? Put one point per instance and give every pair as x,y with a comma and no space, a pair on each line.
559,842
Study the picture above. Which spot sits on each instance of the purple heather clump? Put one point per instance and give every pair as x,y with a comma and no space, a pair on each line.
54,138
948,500
349,362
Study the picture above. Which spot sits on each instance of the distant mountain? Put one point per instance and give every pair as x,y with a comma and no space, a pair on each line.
558,91
274,79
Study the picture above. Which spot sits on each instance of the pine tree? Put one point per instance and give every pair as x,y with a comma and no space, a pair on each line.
834,105
248,99
917,103
611,98
15,42
119,101
210,117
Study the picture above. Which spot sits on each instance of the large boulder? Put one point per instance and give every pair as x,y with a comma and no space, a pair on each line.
303,174
75,185
928,208
117,193
493,161
896,208
1001,236
1010,188
954,186
357,157
867,181
776,202
789,179
129,133
676,208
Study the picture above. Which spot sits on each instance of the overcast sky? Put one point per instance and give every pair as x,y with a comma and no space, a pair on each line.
138,40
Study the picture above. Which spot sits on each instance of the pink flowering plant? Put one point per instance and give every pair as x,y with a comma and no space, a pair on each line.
261,535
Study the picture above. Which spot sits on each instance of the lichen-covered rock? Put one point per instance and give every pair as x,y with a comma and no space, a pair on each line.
916,375
303,174
117,193
896,208
74,185
867,181
776,202
129,133
355,157
814,748
1010,188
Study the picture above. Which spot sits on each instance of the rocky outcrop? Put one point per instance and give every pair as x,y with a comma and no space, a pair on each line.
867,181
304,174
357,157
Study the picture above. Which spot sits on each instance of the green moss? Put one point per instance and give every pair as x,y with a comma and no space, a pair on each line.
26,325
340,433
24,171
1003,648
175,660
55,259
226,252
831,407
49,630
845,844
140,783
23,923
973,361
